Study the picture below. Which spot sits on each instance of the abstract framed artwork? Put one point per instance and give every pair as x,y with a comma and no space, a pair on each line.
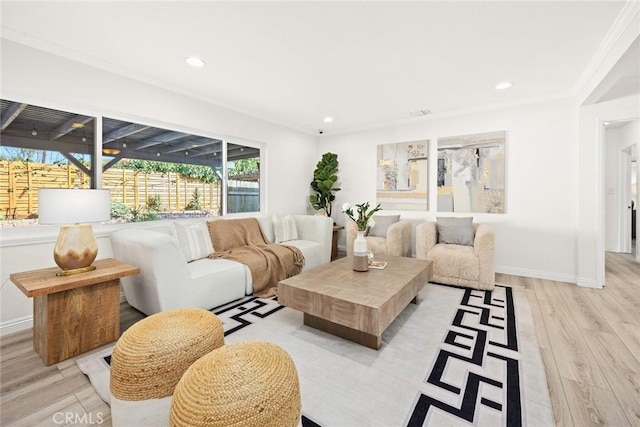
471,173
402,175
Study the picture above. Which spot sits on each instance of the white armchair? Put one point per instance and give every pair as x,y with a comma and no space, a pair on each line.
397,241
460,265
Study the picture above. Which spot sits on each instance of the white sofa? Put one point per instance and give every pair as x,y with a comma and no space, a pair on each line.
167,281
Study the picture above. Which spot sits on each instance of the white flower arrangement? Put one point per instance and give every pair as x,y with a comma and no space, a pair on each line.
364,218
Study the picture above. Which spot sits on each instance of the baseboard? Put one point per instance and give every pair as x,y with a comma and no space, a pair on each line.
537,274
16,325
546,275
588,283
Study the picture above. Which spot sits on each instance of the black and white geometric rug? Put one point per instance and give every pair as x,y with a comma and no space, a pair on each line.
458,357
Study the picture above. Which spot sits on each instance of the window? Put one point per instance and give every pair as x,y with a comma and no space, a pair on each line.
156,173
41,148
243,183
152,173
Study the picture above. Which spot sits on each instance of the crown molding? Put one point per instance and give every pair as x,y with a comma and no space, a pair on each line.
625,18
455,113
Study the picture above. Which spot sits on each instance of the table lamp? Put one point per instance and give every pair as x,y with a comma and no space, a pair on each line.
76,247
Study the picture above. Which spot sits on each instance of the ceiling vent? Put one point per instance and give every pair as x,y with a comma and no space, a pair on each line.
419,113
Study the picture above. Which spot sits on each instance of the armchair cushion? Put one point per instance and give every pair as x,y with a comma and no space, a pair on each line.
460,265
383,222
457,231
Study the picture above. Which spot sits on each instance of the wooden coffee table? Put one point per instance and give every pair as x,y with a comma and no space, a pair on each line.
357,306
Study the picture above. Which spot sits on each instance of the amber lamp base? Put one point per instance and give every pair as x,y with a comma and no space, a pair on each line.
75,250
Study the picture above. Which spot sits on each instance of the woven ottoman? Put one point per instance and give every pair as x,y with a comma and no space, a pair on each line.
149,359
248,384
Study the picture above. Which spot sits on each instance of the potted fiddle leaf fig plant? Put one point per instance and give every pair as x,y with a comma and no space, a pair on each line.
324,183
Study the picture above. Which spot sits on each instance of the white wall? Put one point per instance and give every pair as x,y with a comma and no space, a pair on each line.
616,140
536,237
35,77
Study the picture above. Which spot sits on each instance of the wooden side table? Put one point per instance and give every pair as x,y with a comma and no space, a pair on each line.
77,313
334,241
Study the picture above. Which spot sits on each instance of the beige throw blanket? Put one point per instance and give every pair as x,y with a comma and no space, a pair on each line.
242,240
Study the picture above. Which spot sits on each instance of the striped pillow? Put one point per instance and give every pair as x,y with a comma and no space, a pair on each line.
284,229
194,240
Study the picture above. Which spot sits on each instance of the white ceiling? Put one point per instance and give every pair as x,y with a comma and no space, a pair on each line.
366,64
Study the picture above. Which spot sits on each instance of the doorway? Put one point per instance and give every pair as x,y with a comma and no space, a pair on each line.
635,218
621,190
628,200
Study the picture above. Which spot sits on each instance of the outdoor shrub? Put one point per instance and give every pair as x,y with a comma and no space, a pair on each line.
118,210
141,214
154,203
194,204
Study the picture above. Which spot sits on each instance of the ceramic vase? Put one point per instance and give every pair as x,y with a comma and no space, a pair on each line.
360,253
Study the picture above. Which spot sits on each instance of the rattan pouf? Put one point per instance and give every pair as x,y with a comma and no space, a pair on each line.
149,359
249,384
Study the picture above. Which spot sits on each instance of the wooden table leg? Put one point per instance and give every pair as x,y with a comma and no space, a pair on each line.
72,322
363,338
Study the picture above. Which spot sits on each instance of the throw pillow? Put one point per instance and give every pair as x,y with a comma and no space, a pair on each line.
194,240
383,222
284,228
457,231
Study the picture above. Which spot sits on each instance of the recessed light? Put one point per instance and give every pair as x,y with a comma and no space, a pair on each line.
194,61
110,151
76,125
328,119
503,85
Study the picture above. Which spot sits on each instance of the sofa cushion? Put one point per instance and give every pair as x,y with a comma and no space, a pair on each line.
216,282
284,228
457,231
383,222
454,261
194,240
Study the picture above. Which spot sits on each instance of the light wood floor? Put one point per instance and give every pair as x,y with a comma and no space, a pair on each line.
589,340
590,344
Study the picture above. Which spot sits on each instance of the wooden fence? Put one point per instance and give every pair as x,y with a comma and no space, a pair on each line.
243,196
20,181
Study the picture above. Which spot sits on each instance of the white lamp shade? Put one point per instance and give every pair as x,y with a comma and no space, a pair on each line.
73,206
